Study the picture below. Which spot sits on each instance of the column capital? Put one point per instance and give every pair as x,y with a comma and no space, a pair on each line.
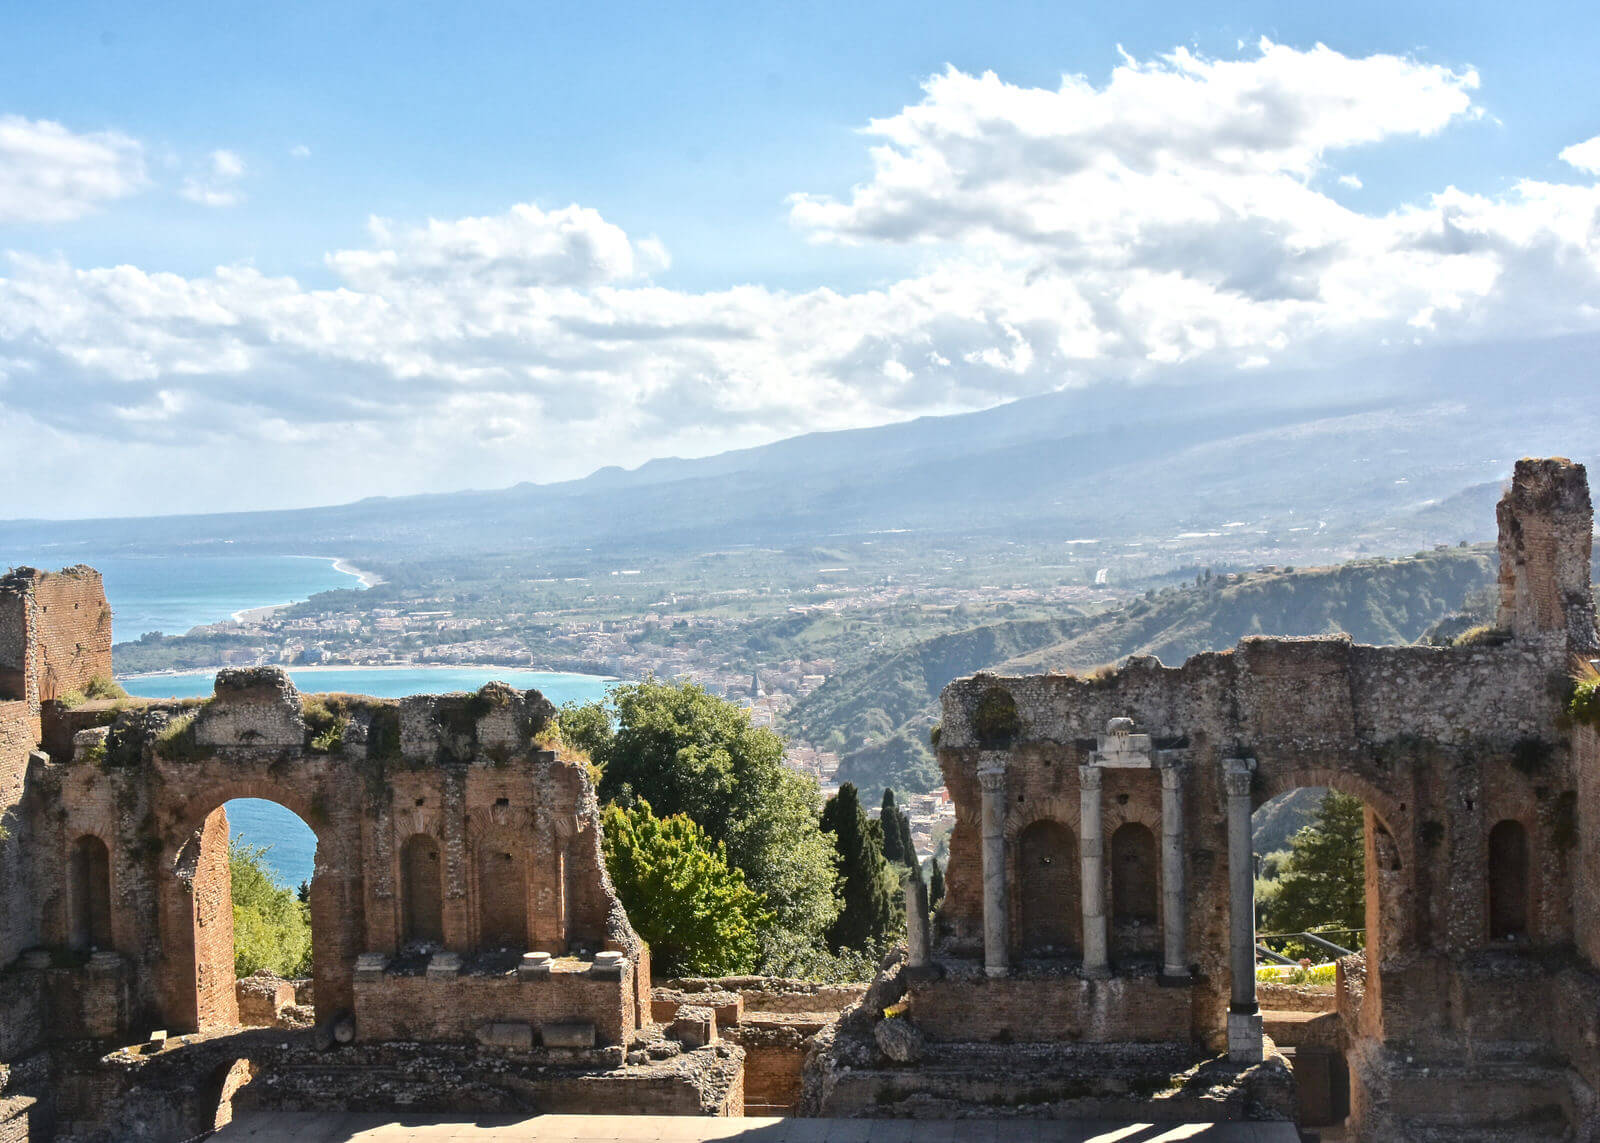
992,777
1089,777
1236,775
1173,772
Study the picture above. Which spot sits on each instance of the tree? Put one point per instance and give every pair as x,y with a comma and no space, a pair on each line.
867,911
893,838
271,927
693,753
695,910
908,844
1323,879
935,885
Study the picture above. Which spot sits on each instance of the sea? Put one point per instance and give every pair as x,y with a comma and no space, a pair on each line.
173,594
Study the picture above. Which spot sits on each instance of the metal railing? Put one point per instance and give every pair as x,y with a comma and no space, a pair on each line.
1319,940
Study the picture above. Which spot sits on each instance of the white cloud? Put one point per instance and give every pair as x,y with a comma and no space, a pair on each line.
1167,218
51,174
217,187
1351,181
1585,156
299,151
525,247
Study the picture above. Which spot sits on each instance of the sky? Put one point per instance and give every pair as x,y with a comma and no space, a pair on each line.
264,256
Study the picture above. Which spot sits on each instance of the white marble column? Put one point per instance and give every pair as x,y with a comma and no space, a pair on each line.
1175,958
1091,848
1244,1015
996,932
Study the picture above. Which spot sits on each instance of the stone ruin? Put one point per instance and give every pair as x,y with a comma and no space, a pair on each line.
460,902
1095,951
1094,955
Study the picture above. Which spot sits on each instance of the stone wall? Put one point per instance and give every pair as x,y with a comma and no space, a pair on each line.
424,1007
1482,850
462,771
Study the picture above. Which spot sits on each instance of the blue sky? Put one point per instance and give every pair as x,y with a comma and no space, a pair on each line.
262,138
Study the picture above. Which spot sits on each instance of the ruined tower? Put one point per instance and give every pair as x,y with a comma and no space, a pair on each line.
1546,535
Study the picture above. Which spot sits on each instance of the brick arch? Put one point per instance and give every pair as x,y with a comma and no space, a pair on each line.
1054,808
196,970
1393,814
501,882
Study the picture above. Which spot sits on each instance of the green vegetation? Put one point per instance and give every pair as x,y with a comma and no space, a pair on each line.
696,912
99,687
699,755
865,885
271,924
1585,703
1319,975
175,741
1320,884
935,885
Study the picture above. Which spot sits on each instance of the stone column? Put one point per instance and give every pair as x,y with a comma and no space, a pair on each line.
996,934
1175,958
1091,848
919,939
1244,1015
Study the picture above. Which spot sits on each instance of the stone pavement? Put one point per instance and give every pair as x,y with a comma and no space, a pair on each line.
343,1127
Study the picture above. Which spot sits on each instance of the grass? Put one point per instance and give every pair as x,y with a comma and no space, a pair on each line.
1483,635
99,687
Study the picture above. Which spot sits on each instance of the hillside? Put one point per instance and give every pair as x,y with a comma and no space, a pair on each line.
881,711
1318,463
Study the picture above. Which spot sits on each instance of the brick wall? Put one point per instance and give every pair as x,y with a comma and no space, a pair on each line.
216,1002
19,733
416,1007
1028,1009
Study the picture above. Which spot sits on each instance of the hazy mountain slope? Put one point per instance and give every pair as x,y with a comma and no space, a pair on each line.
1357,450
882,710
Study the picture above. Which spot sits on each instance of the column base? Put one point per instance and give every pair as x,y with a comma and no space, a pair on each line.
1097,971
1244,1038
1182,978
997,970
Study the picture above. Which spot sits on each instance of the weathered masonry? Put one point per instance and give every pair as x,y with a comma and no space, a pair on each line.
1100,877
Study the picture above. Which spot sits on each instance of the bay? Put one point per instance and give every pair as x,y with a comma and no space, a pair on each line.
291,846
174,593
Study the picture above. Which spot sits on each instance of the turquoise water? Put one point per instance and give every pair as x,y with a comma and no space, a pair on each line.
291,844
171,594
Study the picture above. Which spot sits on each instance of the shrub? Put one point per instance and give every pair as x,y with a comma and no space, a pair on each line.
1585,703
271,925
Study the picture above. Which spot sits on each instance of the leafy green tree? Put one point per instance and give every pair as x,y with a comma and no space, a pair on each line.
693,753
935,885
908,844
681,895
868,908
893,838
1322,880
271,925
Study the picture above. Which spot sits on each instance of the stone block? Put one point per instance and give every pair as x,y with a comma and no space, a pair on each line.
254,707
1244,1037
898,1040
512,1036
568,1036
262,999
694,1026
444,966
534,966
369,967
608,965
664,1011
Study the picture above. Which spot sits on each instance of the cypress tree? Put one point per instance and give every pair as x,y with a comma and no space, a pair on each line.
867,911
893,838
935,886
907,845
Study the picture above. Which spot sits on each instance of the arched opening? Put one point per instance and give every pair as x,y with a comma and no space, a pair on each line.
1135,893
1510,889
1328,885
90,893
502,896
1048,890
421,891
244,902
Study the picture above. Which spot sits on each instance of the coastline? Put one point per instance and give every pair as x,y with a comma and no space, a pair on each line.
339,564
312,668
